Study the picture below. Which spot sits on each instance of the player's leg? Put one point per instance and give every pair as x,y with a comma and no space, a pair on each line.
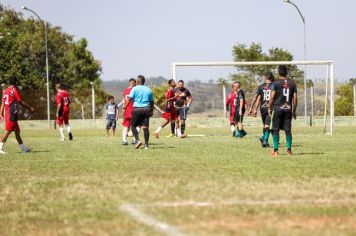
108,127
145,126
125,130
61,129
266,129
23,147
66,122
3,140
113,128
173,129
232,125
276,125
167,118
136,121
287,126
182,117
240,132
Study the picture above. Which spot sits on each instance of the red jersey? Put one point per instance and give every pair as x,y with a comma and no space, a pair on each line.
231,102
63,98
11,98
169,106
129,108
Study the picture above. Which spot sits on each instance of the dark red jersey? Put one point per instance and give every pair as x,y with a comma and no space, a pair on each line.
11,99
231,102
169,106
63,99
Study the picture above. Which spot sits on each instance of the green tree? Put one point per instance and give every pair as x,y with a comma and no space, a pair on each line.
250,76
344,104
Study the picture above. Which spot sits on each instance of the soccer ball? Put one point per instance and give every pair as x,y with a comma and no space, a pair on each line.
130,133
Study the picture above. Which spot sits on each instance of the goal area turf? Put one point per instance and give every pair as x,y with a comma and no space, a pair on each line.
210,184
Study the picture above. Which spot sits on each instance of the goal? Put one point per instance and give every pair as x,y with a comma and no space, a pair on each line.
209,82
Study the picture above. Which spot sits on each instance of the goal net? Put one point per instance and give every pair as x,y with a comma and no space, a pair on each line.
210,83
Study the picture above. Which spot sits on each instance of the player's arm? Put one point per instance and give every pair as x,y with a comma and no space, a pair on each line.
59,106
255,97
241,105
2,107
116,113
271,100
24,104
295,104
152,104
126,102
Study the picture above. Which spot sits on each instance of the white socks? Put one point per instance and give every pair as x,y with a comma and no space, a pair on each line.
158,129
68,128
232,128
61,131
125,131
1,146
178,132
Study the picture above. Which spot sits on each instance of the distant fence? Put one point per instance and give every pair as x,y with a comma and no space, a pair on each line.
214,122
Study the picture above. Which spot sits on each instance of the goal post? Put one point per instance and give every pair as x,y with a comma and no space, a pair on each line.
329,80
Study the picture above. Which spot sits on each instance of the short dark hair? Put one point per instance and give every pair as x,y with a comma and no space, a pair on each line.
181,81
13,80
269,75
170,81
110,97
282,70
59,86
141,78
132,80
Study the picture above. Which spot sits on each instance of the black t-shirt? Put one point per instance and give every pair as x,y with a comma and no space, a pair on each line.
181,101
264,90
285,90
240,96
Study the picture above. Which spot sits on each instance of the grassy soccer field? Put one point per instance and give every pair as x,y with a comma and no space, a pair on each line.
213,185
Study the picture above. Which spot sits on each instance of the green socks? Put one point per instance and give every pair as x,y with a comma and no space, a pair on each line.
289,141
266,133
275,142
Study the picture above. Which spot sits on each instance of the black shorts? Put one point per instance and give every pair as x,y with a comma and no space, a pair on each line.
266,118
140,117
281,120
111,124
239,118
182,112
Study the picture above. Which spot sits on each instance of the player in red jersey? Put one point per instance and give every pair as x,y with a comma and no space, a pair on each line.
170,113
126,121
63,101
11,99
231,106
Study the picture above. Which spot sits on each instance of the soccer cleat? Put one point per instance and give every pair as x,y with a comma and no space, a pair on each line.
133,142
146,147
289,153
183,136
27,150
124,143
261,140
62,139
265,145
2,152
274,154
138,144
171,136
156,134
70,136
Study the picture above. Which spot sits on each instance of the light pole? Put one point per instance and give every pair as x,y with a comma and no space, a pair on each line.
47,70
305,58
93,100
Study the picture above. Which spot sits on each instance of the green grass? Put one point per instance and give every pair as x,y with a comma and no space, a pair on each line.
76,188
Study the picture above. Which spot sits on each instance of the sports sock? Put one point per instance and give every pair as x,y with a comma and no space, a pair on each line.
158,129
275,141
138,129
289,141
23,147
266,133
61,132
179,132
1,146
135,133
68,128
146,134
232,128
125,131
182,127
173,127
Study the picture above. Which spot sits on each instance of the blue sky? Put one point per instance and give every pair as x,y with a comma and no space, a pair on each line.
133,37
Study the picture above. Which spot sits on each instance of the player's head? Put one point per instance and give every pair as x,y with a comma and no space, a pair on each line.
59,86
283,71
172,83
236,85
268,76
111,99
132,83
13,81
141,80
180,84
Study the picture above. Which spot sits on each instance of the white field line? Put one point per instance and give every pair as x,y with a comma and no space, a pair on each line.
250,203
140,216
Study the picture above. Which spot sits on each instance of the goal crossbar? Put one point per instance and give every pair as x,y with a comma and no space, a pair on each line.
329,78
